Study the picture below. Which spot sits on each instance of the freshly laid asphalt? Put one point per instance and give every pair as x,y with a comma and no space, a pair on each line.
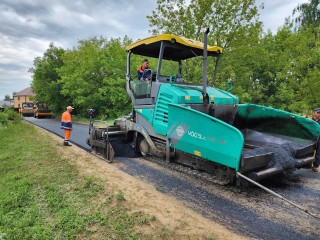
248,211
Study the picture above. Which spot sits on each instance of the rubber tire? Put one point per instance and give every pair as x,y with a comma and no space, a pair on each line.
143,146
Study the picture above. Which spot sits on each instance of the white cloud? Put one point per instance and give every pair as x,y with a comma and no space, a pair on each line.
8,14
274,13
14,51
65,18
16,57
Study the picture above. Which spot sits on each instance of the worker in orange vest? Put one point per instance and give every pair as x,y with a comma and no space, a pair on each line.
144,71
66,125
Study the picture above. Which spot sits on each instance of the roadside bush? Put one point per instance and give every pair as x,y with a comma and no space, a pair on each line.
3,119
9,115
12,115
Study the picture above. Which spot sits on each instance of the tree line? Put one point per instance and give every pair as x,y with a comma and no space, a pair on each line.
279,69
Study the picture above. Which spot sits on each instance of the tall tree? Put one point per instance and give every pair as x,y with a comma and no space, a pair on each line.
45,78
303,68
229,20
285,76
275,70
93,76
234,26
7,97
308,15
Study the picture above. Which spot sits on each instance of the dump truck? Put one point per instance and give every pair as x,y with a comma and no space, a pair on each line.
199,126
41,109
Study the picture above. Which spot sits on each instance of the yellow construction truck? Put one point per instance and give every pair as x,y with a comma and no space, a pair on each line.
26,109
41,109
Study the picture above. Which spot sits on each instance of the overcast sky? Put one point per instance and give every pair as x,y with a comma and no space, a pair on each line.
28,26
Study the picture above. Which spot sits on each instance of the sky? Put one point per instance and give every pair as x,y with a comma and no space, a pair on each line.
28,26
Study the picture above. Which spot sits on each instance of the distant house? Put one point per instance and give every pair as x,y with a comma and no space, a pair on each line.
21,97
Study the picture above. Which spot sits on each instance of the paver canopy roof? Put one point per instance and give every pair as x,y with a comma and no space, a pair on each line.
180,48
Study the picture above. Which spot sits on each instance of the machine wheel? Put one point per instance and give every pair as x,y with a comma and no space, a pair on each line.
142,146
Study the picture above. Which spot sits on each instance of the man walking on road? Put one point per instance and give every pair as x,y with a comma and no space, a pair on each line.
66,125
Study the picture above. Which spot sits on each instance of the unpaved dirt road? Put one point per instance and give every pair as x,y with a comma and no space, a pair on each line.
248,212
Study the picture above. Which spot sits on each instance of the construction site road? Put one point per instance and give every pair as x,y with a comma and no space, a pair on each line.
250,212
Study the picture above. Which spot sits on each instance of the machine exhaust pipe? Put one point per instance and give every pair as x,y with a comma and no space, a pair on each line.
205,58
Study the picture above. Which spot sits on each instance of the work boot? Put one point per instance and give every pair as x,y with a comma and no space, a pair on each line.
66,143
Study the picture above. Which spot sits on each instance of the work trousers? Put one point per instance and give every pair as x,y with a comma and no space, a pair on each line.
67,134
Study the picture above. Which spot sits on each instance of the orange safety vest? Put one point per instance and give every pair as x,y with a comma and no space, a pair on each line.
66,121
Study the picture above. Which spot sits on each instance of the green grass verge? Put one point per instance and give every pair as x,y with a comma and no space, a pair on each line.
43,196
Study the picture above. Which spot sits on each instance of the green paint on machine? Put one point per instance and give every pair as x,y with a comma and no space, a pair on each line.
204,136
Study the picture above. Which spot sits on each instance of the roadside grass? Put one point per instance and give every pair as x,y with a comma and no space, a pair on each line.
43,196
